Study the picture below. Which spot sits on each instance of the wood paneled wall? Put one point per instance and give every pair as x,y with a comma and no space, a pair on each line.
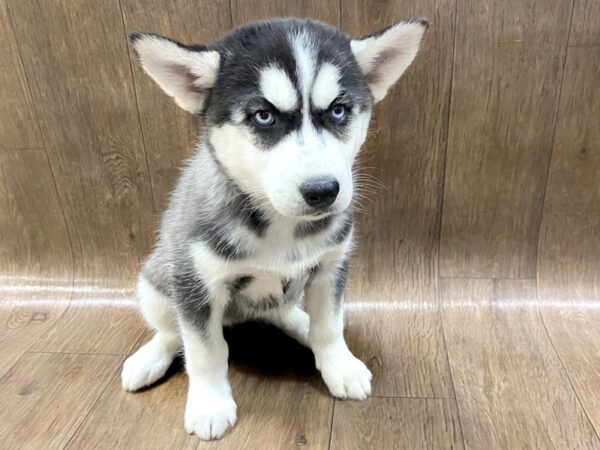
487,148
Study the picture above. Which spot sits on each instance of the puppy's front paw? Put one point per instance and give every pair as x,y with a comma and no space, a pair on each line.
209,412
345,375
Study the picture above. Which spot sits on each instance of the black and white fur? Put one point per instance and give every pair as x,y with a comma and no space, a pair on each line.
286,105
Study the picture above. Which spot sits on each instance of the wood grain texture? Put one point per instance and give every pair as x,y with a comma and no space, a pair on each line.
35,248
569,253
46,396
501,128
18,127
35,257
396,423
404,349
169,132
243,11
77,64
93,324
575,334
271,415
585,30
511,388
282,403
125,420
22,325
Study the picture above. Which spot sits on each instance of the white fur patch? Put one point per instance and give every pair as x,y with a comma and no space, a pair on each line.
242,159
155,306
278,89
326,87
306,60
384,58
149,363
212,268
263,288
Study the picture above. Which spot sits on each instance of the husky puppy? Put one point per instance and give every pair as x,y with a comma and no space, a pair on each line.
260,223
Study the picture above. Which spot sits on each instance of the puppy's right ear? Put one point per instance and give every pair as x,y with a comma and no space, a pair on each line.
185,73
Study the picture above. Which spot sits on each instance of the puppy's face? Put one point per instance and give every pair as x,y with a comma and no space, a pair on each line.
287,103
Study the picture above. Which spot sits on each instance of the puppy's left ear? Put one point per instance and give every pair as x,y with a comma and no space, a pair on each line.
185,73
384,56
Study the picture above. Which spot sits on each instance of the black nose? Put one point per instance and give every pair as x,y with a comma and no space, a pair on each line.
320,192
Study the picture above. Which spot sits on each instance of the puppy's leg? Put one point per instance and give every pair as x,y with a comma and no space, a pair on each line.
150,362
210,408
345,375
293,321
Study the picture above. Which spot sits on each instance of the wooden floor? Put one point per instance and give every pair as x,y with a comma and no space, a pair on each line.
481,363
475,291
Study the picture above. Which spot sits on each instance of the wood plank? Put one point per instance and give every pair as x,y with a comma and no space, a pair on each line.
75,57
394,324
511,389
585,29
18,125
403,348
104,323
575,333
281,401
32,218
569,255
46,396
169,132
152,419
243,11
398,423
501,128
35,256
22,325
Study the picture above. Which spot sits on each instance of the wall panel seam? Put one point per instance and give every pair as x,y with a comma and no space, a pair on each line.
36,116
552,144
566,372
137,107
230,13
441,189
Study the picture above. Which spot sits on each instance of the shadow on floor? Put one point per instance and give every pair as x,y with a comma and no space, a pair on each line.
260,348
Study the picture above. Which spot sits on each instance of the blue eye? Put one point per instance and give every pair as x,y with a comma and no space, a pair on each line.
264,118
338,113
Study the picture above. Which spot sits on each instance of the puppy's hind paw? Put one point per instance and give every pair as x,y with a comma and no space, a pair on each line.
148,364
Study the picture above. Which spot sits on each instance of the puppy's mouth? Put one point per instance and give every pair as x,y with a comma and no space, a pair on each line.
313,214
317,215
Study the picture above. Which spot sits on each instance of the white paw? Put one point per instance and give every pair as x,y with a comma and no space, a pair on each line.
345,375
209,412
146,366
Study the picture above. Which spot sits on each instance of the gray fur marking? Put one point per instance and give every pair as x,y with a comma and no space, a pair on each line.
191,297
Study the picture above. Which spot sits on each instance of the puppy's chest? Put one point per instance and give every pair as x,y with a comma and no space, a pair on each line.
264,291
275,274
280,252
